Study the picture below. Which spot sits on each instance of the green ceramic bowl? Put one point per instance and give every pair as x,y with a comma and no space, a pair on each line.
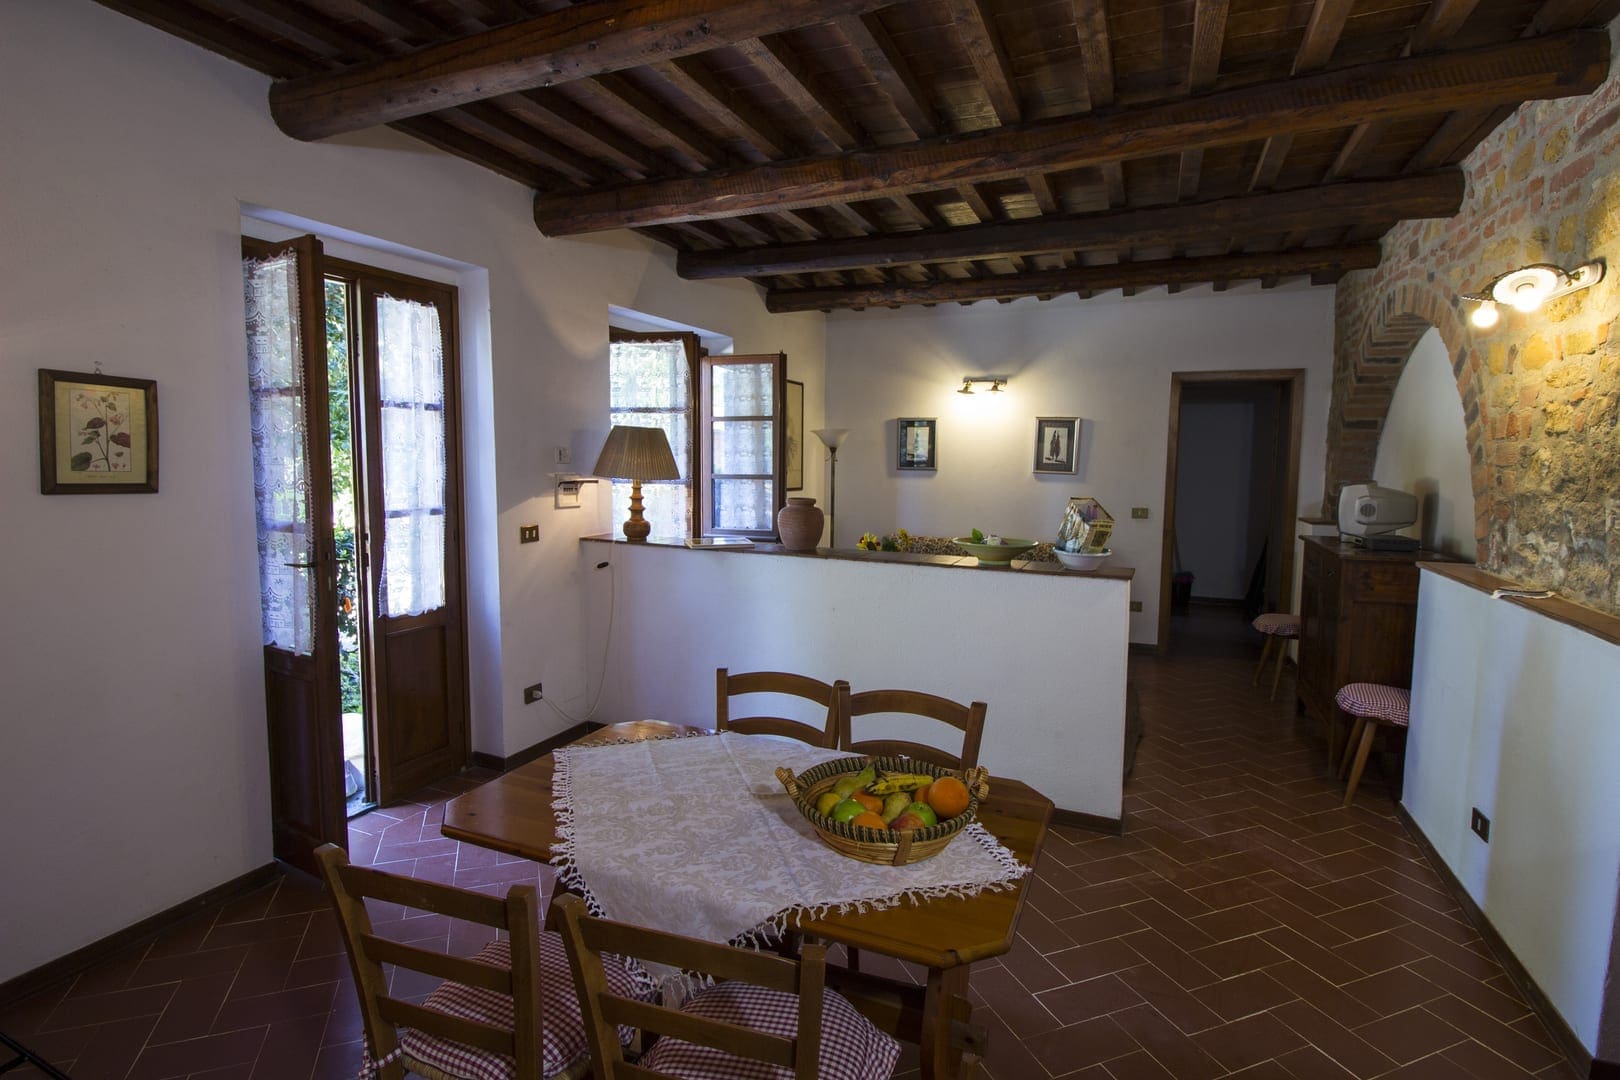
994,554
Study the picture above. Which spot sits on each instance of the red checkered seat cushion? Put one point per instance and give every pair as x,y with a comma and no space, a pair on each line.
851,1048
1376,701
1278,624
562,1037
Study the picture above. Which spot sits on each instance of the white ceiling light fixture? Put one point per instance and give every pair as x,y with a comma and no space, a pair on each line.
1528,288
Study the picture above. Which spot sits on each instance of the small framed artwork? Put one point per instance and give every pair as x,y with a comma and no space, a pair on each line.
918,448
98,434
794,447
1056,448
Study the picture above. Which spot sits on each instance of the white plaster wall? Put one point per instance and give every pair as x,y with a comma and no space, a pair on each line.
133,724
1046,654
1517,715
1215,447
1107,360
1424,449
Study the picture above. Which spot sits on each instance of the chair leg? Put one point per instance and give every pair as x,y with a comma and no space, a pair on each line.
1276,676
1333,726
1368,730
1261,666
1350,744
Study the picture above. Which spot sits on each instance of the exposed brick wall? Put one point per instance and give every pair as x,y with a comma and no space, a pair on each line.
1539,391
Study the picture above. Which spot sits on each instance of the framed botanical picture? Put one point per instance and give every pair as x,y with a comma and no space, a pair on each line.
918,448
795,436
1056,446
98,434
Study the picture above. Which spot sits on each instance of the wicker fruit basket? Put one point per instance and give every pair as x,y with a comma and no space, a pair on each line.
888,846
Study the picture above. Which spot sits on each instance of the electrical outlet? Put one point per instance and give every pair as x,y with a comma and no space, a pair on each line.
1140,512
531,694
528,534
1481,825
563,455
1136,605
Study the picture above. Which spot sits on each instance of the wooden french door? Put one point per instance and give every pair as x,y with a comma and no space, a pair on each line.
743,452
297,559
412,549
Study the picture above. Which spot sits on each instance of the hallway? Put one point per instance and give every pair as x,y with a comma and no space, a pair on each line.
1246,926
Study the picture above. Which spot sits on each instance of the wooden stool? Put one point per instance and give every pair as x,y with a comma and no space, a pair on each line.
1371,704
1278,627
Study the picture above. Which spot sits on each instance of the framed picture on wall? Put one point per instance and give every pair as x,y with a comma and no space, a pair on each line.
917,446
1056,446
793,445
98,434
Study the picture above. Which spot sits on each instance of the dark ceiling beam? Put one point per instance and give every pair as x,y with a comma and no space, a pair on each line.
1091,26
1131,275
982,42
1209,34
1561,65
775,59
1322,35
890,71
692,77
227,37
616,97
576,42
1356,202
588,131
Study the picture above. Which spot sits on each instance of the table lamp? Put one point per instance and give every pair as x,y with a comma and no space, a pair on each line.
636,454
833,438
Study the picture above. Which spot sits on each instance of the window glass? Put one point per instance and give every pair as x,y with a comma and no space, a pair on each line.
651,386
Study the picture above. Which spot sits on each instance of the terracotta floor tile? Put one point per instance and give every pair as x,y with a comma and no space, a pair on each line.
1338,1042
1392,991
1079,1045
1084,1000
1249,1041
1235,998
1410,1035
1098,958
1169,1046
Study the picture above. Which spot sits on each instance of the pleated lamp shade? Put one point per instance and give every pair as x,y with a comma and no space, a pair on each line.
636,453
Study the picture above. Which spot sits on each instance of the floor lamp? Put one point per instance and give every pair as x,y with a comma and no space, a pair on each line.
833,438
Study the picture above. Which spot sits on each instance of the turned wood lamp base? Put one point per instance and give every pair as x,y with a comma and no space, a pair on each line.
636,527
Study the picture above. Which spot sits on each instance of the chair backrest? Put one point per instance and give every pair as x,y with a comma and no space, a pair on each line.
727,686
969,719
518,914
588,937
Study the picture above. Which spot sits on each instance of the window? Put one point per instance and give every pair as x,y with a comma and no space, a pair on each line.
742,401
651,378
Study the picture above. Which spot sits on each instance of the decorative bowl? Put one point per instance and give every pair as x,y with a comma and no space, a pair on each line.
889,847
1082,560
994,554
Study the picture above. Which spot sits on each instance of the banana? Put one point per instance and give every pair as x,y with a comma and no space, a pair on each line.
854,782
890,783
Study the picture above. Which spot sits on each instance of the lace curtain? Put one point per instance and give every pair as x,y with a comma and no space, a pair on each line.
410,356
280,452
651,386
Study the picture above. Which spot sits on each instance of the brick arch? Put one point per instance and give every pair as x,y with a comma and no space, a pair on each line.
1364,378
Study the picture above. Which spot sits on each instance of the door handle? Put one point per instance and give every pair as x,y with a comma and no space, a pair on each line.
301,565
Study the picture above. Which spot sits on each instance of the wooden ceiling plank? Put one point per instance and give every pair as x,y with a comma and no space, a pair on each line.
976,202
556,155
1357,148
1322,35
1091,25
453,140
775,59
692,77
591,130
312,32
1208,36
615,93
1187,173
1041,188
1131,275
1113,174
1554,66
1378,202
976,28
889,70
225,37
399,21
576,42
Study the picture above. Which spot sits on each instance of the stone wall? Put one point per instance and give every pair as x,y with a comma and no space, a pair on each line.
1539,391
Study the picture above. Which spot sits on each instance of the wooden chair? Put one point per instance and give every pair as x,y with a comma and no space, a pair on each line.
484,1020
763,1007
969,719
727,686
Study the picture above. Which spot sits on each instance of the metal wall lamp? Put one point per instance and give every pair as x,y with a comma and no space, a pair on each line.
1529,287
997,383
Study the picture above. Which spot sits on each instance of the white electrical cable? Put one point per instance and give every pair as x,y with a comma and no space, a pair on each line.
607,645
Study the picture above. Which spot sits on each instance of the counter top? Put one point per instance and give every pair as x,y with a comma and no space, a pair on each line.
1597,623
1109,570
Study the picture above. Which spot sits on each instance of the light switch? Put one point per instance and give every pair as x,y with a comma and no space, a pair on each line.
528,534
563,455
1139,511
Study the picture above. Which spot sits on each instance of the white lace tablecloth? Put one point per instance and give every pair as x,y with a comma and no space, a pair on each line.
696,836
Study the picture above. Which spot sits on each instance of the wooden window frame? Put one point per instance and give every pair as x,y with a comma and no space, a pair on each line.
707,420
695,353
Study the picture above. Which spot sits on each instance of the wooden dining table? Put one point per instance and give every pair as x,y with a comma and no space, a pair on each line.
513,814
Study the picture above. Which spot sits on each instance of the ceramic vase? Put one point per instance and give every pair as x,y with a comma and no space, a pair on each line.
799,524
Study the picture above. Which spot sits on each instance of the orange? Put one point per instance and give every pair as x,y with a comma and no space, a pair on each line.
868,820
921,794
948,796
873,803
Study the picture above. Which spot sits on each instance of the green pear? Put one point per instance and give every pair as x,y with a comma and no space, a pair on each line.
895,805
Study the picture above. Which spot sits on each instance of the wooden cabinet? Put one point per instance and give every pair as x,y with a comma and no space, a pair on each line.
1358,610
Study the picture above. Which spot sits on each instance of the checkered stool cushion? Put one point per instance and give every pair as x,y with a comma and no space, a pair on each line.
851,1048
1278,624
1375,701
562,1036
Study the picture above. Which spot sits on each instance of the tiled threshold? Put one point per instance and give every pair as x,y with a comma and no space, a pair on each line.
1246,926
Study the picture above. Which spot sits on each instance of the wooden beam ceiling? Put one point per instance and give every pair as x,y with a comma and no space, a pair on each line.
1560,65
575,42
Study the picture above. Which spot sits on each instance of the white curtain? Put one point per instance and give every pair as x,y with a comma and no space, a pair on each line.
410,356
280,452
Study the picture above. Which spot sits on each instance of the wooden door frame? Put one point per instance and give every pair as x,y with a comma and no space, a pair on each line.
1292,382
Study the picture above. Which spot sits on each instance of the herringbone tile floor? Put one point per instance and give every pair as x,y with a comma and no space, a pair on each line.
1246,927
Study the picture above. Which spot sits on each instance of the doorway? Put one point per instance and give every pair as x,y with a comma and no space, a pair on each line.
1231,483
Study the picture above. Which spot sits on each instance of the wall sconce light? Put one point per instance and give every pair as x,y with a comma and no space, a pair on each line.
1529,287
998,383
